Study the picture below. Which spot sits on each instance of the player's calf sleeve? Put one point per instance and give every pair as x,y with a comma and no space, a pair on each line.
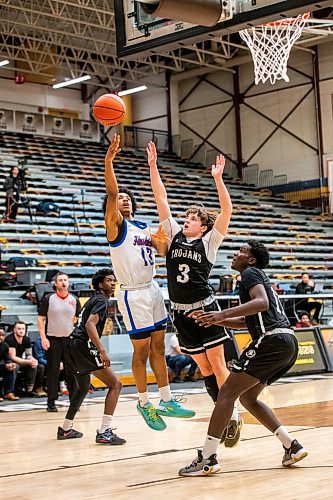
212,387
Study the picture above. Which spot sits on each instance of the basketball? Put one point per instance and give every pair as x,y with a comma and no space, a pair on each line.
109,109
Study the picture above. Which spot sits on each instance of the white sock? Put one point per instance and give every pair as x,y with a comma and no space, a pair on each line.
211,446
234,415
106,423
143,398
67,425
165,393
283,436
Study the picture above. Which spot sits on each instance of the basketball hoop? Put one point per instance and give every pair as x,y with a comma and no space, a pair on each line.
270,45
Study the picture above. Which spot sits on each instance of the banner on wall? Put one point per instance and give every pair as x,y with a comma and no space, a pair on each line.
327,336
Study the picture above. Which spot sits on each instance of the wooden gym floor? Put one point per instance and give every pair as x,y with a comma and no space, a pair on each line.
34,465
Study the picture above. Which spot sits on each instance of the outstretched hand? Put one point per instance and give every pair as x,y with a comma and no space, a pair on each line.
207,319
218,168
151,154
160,236
114,148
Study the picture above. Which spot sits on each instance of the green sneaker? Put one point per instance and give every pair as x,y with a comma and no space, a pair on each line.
149,413
173,409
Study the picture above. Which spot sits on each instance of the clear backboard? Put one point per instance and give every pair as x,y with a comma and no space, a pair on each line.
138,33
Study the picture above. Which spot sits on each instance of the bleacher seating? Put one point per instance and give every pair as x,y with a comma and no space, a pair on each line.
70,173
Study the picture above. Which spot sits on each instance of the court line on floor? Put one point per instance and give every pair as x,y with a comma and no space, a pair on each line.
144,455
223,473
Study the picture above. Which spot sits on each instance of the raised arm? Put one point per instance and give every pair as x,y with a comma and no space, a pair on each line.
157,185
223,219
113,217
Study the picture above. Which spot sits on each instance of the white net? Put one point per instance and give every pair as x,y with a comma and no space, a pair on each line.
270,45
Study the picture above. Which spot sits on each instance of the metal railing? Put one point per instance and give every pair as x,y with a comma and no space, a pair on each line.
138,137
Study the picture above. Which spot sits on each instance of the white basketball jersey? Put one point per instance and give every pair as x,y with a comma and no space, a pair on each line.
133,257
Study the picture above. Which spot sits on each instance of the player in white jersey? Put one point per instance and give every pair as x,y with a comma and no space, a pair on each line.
140,300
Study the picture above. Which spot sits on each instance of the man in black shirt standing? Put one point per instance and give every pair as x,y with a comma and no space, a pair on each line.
272,352
89,356
12,187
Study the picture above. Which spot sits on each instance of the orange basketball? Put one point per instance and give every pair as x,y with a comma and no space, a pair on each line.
109,109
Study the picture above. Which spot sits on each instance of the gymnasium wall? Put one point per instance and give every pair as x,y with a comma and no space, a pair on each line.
29,96
150,107
203,101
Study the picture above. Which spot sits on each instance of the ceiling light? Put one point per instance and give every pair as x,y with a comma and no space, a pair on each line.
3,63
132,91
71,82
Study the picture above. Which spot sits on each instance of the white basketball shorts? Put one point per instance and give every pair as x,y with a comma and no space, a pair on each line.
143,310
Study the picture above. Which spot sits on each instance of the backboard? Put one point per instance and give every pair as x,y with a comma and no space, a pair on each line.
140,34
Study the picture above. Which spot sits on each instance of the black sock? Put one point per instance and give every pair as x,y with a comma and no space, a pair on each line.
212,387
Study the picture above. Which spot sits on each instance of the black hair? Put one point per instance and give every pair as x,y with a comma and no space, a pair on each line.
260,253
126,191
99,276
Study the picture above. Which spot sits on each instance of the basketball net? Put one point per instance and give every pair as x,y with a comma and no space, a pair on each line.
270,45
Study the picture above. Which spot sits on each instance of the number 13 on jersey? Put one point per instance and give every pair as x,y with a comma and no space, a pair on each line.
147,255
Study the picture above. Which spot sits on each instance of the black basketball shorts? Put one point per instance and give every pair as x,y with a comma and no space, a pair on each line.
195,339
84,355
269,357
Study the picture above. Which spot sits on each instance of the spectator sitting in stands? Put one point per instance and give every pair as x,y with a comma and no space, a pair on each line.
306,287
177,361
7,369
20,351
304,321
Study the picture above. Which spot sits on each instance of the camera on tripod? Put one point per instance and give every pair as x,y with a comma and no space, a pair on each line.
23,169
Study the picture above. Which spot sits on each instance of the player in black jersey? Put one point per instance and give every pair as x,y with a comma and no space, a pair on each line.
89,356
272,352
190,257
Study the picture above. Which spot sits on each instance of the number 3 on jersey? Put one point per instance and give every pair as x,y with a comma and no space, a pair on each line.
183,277
147,255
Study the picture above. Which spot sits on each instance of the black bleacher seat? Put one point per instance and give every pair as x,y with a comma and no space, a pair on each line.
41,290
7,321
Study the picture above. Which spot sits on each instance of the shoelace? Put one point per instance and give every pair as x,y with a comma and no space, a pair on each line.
193,464
179,398
152,415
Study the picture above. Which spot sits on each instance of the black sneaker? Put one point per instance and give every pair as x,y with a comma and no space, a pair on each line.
52,408
233,432
294,454
71,434
109,437
201,466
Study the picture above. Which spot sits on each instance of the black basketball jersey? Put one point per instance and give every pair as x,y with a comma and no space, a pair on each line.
188,270
264,321
98,304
